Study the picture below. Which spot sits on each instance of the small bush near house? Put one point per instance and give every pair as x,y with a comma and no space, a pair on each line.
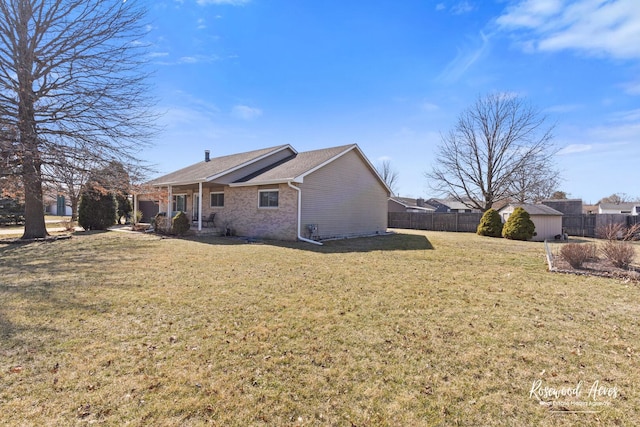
577,254
180,224
97,210
519,226
490,224
160,223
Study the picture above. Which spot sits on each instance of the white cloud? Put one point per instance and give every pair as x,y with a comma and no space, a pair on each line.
428,106
595,27
201,24
245,112
575,148
632,88
196,59
619,133
465,60
229,2
563,108
462,8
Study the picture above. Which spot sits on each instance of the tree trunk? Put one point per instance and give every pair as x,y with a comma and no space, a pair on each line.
74,208
34,225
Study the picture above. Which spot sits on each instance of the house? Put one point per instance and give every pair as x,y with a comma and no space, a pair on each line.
450,205
407,204
632,208
280,193
58,206
547,220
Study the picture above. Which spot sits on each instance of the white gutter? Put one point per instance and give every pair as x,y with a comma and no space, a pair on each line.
304,239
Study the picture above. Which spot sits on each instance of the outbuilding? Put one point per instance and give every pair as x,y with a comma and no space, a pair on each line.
547,220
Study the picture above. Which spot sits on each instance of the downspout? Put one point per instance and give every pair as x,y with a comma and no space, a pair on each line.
304,239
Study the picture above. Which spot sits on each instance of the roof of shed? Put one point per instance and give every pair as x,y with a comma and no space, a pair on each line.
534,209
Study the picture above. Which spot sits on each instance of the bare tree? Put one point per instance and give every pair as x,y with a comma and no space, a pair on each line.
615,199
71,80
388,175
67,174
559,195
535,181
495,141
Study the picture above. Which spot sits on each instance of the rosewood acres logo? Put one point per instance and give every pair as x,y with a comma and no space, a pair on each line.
588,398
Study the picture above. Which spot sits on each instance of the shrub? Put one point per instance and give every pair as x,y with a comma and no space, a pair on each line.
577,254
620,253
124,207
180,224
97,210
490,224
618,231
519,226
617,248
160,223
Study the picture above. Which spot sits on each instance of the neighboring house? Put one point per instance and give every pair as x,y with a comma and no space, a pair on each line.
406,204
57,205
279,193
547,220
450,205
619,208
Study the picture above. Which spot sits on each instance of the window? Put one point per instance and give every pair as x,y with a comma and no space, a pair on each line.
268,198
217,199
179,203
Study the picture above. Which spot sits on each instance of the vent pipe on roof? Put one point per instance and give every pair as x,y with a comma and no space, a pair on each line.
206,156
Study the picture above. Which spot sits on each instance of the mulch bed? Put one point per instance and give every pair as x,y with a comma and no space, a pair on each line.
600,268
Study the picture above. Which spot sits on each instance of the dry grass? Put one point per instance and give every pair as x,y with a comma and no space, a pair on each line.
412,329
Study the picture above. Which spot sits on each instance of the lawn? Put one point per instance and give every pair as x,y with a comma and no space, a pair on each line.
417,328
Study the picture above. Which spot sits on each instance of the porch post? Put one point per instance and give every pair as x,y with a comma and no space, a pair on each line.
169,203
200,206
135,209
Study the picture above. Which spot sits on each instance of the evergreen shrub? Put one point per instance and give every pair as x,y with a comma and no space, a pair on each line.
519,225
180,224
490,224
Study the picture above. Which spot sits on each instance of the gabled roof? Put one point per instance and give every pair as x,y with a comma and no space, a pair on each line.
207,171
284,168
408,202
450,203
619,206
295,168
536,209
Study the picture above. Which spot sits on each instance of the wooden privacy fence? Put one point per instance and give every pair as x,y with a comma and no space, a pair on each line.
585,225
436,221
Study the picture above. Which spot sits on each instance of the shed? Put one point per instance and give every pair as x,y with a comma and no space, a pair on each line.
547,220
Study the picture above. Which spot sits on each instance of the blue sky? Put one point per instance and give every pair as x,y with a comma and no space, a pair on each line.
238,75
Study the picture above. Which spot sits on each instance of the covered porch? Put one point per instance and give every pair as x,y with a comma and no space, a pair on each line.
201,203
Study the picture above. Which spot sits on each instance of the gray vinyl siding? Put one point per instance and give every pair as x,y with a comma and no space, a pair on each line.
344,198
